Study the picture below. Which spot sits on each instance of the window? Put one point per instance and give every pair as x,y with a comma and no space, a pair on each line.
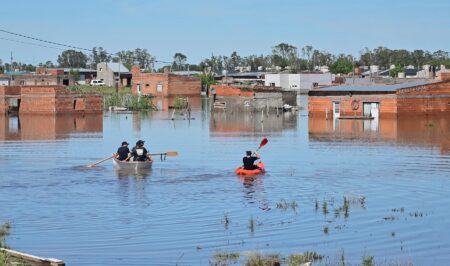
315,84
101,69
159,87
272,84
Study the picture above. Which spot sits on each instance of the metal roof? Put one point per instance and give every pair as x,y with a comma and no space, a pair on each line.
115,67
387,88
79,69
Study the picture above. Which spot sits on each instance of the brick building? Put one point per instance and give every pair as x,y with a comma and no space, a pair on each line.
164,84
48,99
393,100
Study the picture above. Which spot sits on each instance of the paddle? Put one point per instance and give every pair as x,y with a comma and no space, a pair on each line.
169,153
263,143
101,161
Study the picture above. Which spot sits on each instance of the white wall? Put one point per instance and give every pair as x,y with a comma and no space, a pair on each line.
298,81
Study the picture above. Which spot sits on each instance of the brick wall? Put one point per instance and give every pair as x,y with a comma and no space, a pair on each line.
171,84
181,85
429,99
318,105
230,91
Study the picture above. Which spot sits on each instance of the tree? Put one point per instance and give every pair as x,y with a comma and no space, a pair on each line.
394,72
72,59
139,56
179,60
99,55
343,65
49,64
284,54
307,52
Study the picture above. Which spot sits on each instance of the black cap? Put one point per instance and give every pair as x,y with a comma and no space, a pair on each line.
125,143
248,152
140,142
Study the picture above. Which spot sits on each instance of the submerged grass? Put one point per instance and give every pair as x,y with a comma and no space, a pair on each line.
5,230
224,258
307,256
284,205
258,259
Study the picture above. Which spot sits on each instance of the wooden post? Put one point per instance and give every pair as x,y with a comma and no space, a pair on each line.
27,258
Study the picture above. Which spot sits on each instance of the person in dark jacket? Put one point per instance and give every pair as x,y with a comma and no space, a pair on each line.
123,153
249,160
140,153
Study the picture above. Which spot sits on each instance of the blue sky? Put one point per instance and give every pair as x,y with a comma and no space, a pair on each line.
198,28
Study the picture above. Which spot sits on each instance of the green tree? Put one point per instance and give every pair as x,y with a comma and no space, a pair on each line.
343,65
179,60
394,71
99,55
72,59
284,54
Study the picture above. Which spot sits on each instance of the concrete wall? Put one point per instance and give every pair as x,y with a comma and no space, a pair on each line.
106,74
302,81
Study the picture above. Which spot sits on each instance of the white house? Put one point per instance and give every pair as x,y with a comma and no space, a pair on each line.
303,81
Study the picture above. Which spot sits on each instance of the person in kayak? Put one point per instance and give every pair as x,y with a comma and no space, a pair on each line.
249,160
140,153
123,153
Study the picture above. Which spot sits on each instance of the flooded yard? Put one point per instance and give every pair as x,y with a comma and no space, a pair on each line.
344,189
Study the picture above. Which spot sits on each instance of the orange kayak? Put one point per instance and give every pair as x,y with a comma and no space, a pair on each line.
242,171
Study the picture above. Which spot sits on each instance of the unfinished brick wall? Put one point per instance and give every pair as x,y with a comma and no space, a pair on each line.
180,85
171,84
230,91
50,99
318,105
428,99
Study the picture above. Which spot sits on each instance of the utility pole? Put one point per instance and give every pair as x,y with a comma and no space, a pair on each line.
10,69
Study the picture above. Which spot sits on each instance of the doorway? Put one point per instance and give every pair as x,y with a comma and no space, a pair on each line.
336,110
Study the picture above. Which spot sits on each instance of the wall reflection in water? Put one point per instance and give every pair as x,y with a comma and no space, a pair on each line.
431,130
222,124
48,127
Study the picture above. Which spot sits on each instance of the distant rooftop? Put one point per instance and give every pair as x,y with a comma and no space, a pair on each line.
16,73
386,88
115,67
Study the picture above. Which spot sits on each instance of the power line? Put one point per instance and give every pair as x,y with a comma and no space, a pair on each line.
29,43
59,44
41,40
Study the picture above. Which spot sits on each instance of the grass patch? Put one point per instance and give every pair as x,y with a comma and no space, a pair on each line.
282,204
368,261
5,230
257,259
307,256
224,258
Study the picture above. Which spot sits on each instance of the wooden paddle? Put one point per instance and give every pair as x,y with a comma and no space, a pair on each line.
169,153
99,162
163,155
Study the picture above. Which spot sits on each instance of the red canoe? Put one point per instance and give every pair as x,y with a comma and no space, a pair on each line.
242,171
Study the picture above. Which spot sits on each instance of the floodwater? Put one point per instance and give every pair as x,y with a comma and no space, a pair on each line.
394,175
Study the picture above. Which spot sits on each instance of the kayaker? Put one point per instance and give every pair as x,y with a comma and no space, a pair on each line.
140,153
123,153
249,160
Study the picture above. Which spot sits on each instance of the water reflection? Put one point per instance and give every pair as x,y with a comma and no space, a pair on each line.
137,173
416,130
229,123
164,103
48,127
253,191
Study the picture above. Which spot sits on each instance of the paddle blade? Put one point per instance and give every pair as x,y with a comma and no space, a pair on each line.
263,142
171,153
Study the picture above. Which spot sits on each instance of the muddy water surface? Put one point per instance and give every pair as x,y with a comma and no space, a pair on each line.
394,175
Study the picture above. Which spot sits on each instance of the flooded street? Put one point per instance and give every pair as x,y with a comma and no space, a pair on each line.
349,187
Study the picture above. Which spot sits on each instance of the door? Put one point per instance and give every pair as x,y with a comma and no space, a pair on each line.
336,110
374,110
138,89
